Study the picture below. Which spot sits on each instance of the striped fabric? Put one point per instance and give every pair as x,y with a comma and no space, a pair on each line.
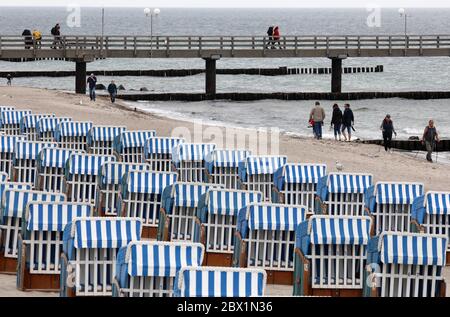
299,174
349,183
226,158
6,108
72,129
412,249
220,282
339,230
161,145
7,143
54,216
275,217
49,124
87,164
188,194
132,139
149,182
54,157
151,258
104,133
261,165
102,233
27,150
30,120
397,193
13,116
437,203
192,151
229,202
16,200
12,185
113,172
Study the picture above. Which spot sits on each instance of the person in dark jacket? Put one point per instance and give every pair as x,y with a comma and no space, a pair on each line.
112,89
429,138
92,82
336,121
28,38
9,80
387,127
347,122
270,34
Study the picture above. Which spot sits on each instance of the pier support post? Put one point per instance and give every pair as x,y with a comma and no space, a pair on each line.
210,75
336,73
80,77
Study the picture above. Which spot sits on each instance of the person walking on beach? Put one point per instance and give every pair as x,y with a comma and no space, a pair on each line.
430,138
347,122
112,89
387,127
336,121
56,32
276,37
318,116
92,82
8,80
270,34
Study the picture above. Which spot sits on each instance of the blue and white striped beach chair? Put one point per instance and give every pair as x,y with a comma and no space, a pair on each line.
25,160
73,134
13,208
220,282
100,139
189,160
389,204
141,197
296,184
108,185
342,194
40,242
178,211
7,108
28,125
431,215
265,238
149,268
257,173
406,265
216,220
90,247
158,152
46,127
129,145
330,255
81,172
7,144
10,121
222,167
50,169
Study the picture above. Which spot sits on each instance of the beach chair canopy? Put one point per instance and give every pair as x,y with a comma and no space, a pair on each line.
72,129
433,204
348,183
228,202
191,152
295,173
260,165
6,108
162,259
86,164
7,143
225,158
104,133
113,172
149,182
188,194
55,157
412,249
28,150
220,282
12,185
55,216
30,120
13,116
132,139
397,193
161,145
49,124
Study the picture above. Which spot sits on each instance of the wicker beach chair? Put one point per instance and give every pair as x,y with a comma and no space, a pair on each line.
28,125
73,134
216,220
10,121
158,152
222,167
330,255
46,127
7,144
265,238
342,194
406,265
141,197
142,272
220,282
90,247
108,185
129,145
189,160
296,184
389,204
100,139
40,243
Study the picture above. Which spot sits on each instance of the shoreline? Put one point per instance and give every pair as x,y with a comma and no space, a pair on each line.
354,157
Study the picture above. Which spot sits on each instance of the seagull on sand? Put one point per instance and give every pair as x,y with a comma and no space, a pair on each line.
339,166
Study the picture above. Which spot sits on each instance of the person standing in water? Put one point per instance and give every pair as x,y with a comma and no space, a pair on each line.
430,138
336,121
347,122
387,127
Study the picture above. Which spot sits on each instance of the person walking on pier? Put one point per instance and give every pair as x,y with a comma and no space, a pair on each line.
28,38
387,127
430,138
112,89
270,34
347,122
37,36
92,82
336,121
318,116
8,80
56,32
276,37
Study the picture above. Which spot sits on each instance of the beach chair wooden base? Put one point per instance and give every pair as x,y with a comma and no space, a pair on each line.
7,265
164,226
447,259
218,259
280,277
335,292
149,233
374,292
40,282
